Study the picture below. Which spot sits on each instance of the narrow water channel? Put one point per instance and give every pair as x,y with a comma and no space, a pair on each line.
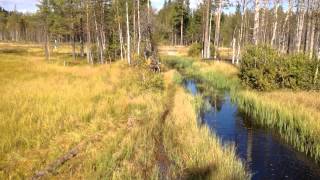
265,153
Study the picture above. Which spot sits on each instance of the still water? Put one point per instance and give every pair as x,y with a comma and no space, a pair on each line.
264,152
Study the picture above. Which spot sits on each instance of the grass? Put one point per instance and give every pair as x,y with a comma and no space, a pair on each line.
294,114
46,109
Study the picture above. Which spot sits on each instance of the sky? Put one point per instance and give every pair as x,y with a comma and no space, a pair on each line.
30,5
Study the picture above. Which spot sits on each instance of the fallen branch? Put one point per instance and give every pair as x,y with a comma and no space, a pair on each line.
51,168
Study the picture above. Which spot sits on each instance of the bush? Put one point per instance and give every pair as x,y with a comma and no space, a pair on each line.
195,50
263,68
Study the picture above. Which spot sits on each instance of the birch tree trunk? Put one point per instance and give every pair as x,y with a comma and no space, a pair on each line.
206,53
301,15
47,45
264,21
120,40
134,25
181,31
98,39
210,30
318,62
256,27
217,30
313,31
128,36
139,28
243,4
286,27
234,47
88,44
275,25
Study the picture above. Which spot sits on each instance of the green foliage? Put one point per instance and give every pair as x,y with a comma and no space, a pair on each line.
264,69
195,50
177,78
178,63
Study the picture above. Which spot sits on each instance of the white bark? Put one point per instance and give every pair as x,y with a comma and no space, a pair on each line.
275,25
313,31
209,40
256,29
300,24
233,49
139,28
128,36
181,25
217,30
286,26
121,40
206,48
243,4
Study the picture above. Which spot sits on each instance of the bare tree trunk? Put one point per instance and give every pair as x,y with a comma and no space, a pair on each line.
313,31
98,39
286,27
300,24
256,29
318,62
181,31
148,8
81,38
181,25
210,30
206,49
88,44
217,31
264,21
139,28
128,37
47,45
73,39
234,47
134,25
275,26
241,30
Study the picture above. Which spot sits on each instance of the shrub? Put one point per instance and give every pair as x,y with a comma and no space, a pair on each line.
263,69
195,50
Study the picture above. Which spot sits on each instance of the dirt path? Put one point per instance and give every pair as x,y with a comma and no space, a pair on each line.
162,159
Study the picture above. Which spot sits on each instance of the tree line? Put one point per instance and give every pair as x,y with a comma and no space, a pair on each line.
100,29
286,25
120,29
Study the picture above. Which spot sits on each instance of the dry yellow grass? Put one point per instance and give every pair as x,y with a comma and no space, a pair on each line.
173,50
46,109
196,152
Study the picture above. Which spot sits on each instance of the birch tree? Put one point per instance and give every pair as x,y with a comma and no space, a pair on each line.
275,25
301,11
206,43
88,44
256,28
139,28
128,36
217,30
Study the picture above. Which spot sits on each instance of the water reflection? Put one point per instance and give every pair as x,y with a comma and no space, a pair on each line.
267,156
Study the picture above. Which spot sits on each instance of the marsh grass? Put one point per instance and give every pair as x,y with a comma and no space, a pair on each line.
294,114
46,109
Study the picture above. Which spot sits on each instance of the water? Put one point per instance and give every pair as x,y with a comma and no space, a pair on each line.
264,152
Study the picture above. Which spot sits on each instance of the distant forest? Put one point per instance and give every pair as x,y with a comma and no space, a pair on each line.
116,28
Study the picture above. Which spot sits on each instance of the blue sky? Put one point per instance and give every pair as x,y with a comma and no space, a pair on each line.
30,5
